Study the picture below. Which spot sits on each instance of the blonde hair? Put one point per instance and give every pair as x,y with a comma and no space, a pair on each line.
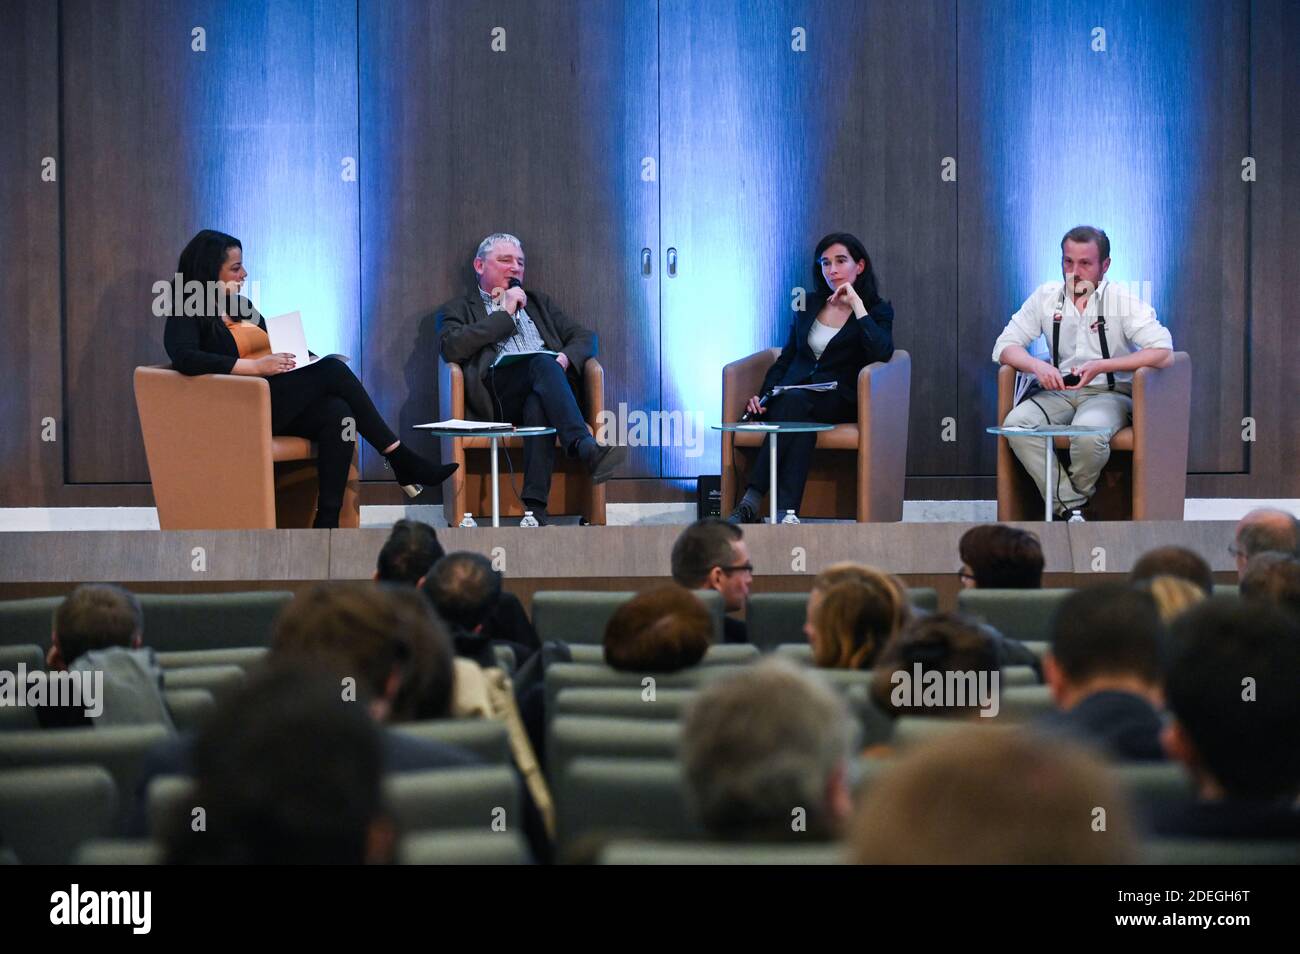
1174,596
861,609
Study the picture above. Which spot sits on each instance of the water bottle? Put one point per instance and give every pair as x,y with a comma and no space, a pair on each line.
529,520
467,521
789,517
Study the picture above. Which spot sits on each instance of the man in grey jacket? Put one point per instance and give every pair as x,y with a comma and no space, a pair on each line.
522,358
98,633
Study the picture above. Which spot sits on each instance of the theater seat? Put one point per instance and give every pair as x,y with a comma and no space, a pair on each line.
119,851
571,737
455,798
45,813
1024,704
221,681
27,622
719,654
189,708
175,622
620,798
244,658
560,676
463,847
1025,615
720,853
120,750
485,738
578,616
668,704
776,619
1204,851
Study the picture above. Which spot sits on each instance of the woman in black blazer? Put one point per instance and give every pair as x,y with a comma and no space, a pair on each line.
845,327
228,336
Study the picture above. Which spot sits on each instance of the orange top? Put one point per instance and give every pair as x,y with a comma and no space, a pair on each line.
251,340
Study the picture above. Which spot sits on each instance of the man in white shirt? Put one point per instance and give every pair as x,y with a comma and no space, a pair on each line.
1099,335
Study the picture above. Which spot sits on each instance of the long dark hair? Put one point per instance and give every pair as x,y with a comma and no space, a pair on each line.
201,262
203,257
865,285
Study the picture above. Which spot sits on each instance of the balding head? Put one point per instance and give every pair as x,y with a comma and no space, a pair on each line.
1265,529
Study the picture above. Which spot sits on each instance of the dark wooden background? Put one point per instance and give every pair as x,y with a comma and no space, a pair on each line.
757,151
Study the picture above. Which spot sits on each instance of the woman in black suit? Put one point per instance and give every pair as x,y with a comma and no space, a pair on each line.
228,336
846,326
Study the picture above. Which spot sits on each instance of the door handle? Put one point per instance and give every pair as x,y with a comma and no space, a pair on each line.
672,263
647,261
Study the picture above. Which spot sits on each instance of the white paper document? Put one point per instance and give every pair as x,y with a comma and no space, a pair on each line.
823,386
456,424
287,336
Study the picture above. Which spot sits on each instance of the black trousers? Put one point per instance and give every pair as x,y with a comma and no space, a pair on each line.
535,392
794,451
317,402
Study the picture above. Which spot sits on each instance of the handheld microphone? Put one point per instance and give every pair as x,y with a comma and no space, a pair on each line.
762,402
513,282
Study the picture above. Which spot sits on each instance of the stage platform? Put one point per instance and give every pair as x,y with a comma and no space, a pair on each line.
786,558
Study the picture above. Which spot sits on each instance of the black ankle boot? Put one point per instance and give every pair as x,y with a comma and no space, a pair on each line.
327,518
414,472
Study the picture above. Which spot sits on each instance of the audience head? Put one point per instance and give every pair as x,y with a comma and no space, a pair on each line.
711,554
1273,577
464,589
94,616
1231,688
408,553
1105,637
1173,561
661,630
288,773
995,556
384,637
990,796
1262,530
1173,596
853,611
764,753
943,643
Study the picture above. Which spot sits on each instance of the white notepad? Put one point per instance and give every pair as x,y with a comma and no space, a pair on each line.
287,336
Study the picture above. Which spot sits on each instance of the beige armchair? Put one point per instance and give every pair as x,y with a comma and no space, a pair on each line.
867,486
469,489
213,461
1146,476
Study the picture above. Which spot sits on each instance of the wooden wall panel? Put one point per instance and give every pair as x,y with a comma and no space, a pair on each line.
1274,238
246,136
766,149
1144,140
30,323
543,140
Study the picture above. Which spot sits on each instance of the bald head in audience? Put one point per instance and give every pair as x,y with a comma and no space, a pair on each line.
1264,529
990,796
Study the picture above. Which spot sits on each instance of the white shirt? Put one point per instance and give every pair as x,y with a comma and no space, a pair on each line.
819,336
1131,325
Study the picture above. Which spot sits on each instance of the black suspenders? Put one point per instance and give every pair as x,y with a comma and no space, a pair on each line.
1101,335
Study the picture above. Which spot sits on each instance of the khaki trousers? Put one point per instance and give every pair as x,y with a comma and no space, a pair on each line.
1091,406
